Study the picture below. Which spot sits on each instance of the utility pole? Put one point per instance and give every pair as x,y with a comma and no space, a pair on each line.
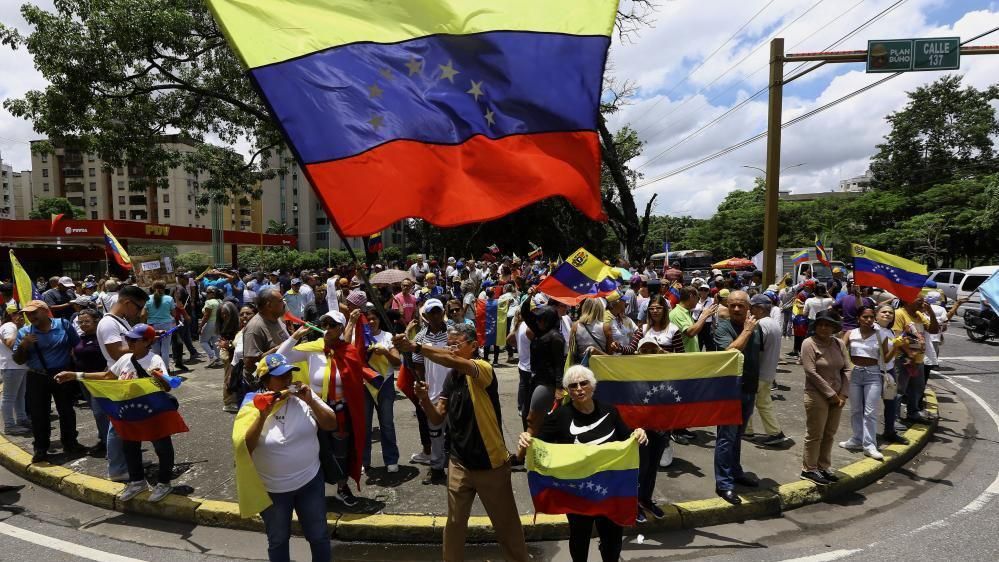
772,179
881,56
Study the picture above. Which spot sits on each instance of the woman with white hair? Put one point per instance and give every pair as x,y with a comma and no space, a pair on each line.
585,420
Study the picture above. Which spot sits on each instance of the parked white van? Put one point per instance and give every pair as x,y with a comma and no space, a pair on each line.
972,279
948,281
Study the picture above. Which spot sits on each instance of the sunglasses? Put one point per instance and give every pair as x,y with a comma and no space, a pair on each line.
454,310
580,384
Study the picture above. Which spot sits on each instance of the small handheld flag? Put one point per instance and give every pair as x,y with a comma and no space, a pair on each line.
874,268
55,218
494,249
800,257
820,252
581,277
117,250
23,289
490,321
138,409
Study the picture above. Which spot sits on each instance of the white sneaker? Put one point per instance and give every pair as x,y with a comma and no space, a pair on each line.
392,468
420,458
850,445
667,458
133,489
874,453
160,491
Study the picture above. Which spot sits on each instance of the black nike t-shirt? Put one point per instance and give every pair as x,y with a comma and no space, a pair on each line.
568,425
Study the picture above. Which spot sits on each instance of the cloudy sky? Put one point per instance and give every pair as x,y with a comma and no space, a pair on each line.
701,58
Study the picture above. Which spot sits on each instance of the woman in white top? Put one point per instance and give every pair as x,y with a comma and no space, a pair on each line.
15,417
381,347
896,346
589,334
337,449
816,304
622,327
285,451
870,349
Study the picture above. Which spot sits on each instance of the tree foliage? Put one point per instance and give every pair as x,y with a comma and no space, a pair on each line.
48,206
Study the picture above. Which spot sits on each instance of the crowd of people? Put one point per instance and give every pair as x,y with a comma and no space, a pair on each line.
857,345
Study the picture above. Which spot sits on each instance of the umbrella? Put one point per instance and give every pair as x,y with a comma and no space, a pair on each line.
390,277
733,263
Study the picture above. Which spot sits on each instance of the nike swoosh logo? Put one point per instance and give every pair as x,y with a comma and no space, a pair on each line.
576,430
599,441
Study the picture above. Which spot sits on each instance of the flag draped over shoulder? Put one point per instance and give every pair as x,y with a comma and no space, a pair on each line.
490,321
899,276
585,479
393,107
138,409
250,491
580,277
672,391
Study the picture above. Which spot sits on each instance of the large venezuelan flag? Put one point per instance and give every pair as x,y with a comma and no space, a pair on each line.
490,321
138,409
899,276
454,111
117,250
580,277
585,479
672,391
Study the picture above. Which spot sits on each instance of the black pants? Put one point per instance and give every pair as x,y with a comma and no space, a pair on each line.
648,463
580,529
41,390
421,421
133,456
706,338
523,394
798,340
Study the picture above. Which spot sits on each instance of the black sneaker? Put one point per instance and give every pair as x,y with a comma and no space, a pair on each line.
98,451
829,475
640,518
435,477
814,476
74,448
894,438
774,440
40,456
652,508
345,496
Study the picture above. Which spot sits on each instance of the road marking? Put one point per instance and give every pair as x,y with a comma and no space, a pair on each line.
963,377
974,358
825,557
62,546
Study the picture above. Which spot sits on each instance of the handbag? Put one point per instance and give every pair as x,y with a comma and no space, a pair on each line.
889,388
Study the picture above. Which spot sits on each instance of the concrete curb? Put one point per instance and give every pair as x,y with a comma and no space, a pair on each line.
424,528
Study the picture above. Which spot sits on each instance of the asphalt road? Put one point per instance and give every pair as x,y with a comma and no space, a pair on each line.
943,505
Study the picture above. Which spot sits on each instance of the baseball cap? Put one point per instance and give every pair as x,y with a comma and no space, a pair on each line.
337,317
540,299
141,332
296,281
343,282
274,365
723,293
82,301
35,305
837,270
933,297
648,340
66,282
760,300
432,304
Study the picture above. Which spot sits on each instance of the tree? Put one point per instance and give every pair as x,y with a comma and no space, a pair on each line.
48,206
194,261
944,132
275,227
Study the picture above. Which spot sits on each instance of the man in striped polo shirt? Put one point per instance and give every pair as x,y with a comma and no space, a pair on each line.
433,335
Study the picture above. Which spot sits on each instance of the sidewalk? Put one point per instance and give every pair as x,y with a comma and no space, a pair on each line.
205,467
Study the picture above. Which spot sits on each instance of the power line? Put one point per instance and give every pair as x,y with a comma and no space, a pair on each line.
703,61
765,88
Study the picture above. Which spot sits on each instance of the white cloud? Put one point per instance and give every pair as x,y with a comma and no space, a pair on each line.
17,76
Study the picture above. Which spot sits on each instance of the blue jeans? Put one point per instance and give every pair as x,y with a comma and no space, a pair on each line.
865,393
161,346
117,465
309,502
728,446
100,418
12,399
386,423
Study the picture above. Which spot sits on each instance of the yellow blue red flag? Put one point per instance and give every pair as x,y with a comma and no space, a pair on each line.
585,479
116,250
899,276
580,277
393,107
138,409
23,289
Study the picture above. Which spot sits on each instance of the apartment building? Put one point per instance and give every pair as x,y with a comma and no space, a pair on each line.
15,193
288,198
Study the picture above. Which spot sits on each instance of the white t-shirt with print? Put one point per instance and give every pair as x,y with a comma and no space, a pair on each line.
125,370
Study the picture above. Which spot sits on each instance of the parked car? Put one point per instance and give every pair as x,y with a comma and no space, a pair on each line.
972,279
948,281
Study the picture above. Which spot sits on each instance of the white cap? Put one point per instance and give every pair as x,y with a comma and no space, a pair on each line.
646,340
540,299
432,304
337,317
66,282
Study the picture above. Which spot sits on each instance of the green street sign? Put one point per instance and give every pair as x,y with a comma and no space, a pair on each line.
892,55
903,55
941,53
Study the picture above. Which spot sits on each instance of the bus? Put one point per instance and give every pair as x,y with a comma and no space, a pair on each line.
690,260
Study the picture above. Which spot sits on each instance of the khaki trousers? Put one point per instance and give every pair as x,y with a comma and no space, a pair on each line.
765,406
821,423
496,493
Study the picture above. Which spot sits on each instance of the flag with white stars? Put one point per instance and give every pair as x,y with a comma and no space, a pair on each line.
138,409
580,277
455,111
585,479
899,276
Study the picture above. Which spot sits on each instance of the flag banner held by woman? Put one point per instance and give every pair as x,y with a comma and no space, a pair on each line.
393,107
899,276
585,479
139,409
580,277
490,321
672,391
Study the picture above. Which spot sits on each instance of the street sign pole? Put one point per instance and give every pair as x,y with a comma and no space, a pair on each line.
774,111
